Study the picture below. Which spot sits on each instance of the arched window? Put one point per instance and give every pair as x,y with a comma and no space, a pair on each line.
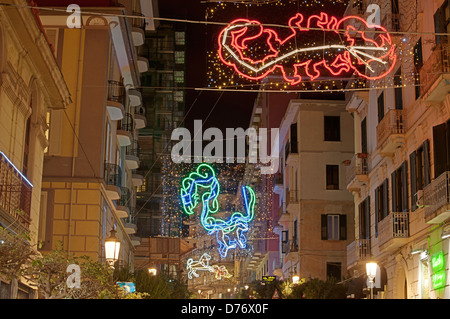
26,145
30,133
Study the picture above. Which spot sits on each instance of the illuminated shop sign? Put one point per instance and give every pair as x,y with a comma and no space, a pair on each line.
438,278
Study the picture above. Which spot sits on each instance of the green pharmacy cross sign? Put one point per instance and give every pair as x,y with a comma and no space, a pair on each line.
438,268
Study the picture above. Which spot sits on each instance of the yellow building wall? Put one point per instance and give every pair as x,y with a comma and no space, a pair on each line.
78,206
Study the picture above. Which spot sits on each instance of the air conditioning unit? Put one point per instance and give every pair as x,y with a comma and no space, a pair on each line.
420,201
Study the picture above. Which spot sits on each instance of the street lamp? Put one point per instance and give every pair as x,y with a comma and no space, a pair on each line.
112,248
371,270
295,279
152,271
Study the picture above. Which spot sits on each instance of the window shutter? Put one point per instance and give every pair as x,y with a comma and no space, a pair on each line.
404,176
426,163
342,227
440,152
412,170
323,227
377,210
394,191
385,198
367,216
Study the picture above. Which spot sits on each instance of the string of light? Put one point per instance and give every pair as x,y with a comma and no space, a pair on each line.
205,22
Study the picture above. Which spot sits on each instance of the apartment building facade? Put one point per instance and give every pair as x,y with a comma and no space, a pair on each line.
316,210
398,175
89,180
164,106
31,87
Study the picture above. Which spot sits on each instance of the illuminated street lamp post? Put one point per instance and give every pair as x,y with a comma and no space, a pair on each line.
112,248
371,270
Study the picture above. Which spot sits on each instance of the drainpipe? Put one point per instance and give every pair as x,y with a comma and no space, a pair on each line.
75,125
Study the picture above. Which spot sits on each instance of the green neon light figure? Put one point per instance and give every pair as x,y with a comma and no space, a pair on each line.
229,233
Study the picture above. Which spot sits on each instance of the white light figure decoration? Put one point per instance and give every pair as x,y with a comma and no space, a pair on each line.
203,265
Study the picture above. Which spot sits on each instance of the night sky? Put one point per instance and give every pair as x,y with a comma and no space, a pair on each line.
233,108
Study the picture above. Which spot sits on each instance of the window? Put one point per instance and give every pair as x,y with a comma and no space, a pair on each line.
441,23
334,270
398,89
364,219
179,38
419,165
179,57
294,236
26,148
333,227
179,76
381,203
418,63
441,148
332,128
399,189
364,136
294,141
380,107
178,96
395,15
332,172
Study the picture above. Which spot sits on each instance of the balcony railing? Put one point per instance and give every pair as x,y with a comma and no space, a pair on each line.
391,130
357,170
127,123
113,175
15,192
116,92
392,227
138,22
124,197
358,250
436,65
436,196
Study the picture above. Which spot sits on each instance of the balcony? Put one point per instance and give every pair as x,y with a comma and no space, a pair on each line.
142,64
130,228
393,231
391,132
358,251
436,199
435,75
135,241
135,97
137,179
278,184
292,201
115,100
357,172
125,130
356,93
123,204
139,118
137,29
15,195
132,155
356,7
113,180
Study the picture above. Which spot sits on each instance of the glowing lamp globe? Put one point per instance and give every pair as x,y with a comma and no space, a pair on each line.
371,270
112,248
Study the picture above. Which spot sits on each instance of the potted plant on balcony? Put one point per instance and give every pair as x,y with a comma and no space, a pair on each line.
362,155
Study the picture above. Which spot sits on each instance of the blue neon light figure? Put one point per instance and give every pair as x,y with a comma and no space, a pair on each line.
229,233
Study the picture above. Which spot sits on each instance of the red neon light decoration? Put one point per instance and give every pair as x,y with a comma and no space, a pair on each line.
369,55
